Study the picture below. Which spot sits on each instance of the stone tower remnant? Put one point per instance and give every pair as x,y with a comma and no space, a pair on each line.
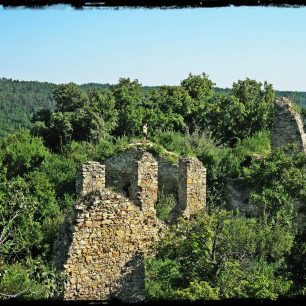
144,186
114,230
287,125
192,186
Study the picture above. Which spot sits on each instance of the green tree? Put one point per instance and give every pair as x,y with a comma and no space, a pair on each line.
296,263
225,118
103,102
21,153
278,182
258,102
69,97
128,96
200,89
79,116
248,110
29,212
30,280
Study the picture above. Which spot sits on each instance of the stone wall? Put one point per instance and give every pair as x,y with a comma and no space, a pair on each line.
112,233
121,168
287,125
144,186
191,187
90,177
105,259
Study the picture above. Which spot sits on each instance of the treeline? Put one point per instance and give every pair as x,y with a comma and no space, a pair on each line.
251,253
19,100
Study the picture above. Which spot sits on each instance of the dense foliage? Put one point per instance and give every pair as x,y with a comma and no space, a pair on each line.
257,253
219,256
20,100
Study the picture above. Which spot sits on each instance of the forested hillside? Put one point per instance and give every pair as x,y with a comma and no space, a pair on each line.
19,100
222,253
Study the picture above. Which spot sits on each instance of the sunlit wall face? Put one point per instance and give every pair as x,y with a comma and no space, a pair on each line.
60,44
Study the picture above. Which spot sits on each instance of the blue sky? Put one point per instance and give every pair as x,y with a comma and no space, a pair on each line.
60,44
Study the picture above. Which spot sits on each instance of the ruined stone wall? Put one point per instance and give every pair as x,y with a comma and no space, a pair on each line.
112,233
120,170
192,186
134,173
144,186
106,255
90,177
287,125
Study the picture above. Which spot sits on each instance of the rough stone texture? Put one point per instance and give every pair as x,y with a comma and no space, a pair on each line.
91,177
112,233
106,255
192,186
144,186
121,169
287,125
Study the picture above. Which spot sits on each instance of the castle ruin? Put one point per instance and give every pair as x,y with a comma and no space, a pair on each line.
116,225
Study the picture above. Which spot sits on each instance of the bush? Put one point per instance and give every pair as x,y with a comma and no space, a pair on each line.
31,279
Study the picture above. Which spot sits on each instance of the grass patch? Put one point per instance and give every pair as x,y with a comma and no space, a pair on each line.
164,206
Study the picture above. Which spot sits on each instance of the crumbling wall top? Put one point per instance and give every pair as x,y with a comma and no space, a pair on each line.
287,125
90,177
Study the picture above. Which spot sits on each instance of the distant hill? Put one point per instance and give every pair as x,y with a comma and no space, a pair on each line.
19,100
299,97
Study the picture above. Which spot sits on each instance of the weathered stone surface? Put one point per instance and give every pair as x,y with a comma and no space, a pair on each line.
287,126
110,254
120,170
111,233
192,186
144,187
91,177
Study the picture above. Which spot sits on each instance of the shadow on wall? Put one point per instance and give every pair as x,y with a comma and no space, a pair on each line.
130,286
